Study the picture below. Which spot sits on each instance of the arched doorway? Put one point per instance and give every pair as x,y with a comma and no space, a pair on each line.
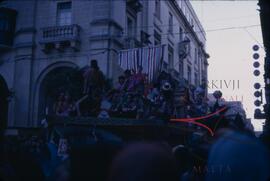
59,80
4,93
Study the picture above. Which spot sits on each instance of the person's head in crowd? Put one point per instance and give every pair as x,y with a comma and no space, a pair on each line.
94,65
26,166
156,85
130,97
217,94
235,156
67,97
182,156
182,83
121,80
144,162
92,161
127,73
61,172
61,96
163,74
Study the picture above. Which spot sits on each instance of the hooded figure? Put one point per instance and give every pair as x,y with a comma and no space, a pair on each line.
93,79
144,162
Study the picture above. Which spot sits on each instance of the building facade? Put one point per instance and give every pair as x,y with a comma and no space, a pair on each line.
42,39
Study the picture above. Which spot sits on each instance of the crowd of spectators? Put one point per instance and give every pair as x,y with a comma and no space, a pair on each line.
230,155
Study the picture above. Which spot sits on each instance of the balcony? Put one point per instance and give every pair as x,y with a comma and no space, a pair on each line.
60,37
184,48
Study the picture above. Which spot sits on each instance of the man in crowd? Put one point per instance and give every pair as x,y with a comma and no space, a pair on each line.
94,80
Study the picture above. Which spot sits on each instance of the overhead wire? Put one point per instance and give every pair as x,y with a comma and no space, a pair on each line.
255,39
210,30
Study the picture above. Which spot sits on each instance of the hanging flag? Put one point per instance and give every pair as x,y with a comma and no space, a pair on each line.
149,58
128,59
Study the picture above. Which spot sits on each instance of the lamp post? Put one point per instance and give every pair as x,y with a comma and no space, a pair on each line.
258,93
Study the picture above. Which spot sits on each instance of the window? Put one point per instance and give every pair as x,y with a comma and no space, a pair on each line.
189,48
199,57
4,24
129,27
180,34
165,66
145,38
157,37
196,80
170,23
195,56
202,63
64,13
189,74
157,8
181,68
3,3
170,57
188,45
7,26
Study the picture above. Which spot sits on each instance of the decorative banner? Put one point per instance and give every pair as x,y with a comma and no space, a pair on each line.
149,58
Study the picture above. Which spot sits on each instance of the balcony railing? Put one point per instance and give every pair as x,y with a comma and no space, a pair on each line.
184,48
60,37
60,33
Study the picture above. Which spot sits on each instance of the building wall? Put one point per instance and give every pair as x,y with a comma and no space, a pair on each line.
182,16
103,30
